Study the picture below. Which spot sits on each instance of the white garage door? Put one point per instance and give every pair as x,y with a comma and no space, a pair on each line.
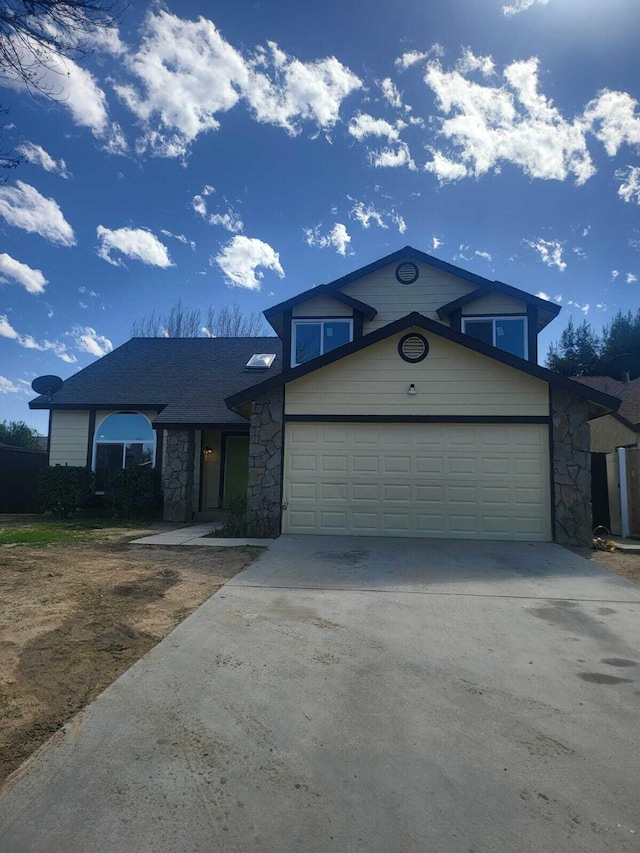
462,481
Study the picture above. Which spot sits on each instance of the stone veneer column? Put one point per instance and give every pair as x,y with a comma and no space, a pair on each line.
177,475
264,497
571,469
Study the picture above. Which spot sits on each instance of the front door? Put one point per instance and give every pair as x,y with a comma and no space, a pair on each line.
236,468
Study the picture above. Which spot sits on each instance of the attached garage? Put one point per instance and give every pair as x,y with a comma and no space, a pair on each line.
456,480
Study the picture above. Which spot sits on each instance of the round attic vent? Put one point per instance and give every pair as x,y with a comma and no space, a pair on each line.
407,272
413,348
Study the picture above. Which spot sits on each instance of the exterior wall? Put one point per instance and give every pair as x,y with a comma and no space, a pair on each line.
613,487
178,474
495,303
322,306
452,380
211,470
571,469
383,291
607,433
69,437
264,494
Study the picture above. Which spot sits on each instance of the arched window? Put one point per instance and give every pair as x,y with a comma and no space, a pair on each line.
122,440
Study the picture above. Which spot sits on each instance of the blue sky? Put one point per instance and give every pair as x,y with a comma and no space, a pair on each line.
247,154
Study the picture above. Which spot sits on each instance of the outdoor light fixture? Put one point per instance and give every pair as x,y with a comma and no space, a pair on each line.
412,389
207,451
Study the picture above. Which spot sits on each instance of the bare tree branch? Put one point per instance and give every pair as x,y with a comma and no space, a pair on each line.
181,322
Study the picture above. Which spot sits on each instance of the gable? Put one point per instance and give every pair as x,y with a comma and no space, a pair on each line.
494,304
322,306
392,299
453,380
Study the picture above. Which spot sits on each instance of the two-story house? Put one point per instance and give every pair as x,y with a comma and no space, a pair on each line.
403,399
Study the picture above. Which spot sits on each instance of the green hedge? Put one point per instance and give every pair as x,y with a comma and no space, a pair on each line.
133,492
65,489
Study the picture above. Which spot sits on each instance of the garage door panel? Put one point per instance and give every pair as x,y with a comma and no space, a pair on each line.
466,481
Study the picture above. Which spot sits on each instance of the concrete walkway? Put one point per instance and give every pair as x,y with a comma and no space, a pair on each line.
383,696
195,534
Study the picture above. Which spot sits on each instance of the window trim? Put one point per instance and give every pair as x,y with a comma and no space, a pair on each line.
493,318
317,320
123,442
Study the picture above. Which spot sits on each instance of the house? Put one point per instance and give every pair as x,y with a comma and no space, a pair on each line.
403,399
615,458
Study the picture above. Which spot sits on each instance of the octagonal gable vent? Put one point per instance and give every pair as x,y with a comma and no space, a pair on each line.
413,348
407,272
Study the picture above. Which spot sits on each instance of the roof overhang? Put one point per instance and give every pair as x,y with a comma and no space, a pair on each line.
274,314
546,310
601,403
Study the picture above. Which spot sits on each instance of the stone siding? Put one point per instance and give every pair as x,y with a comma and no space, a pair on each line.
264,496
177,475
571,469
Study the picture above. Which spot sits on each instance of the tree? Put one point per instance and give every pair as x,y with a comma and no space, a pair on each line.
582,352
181,322
37,35
577,353
19,434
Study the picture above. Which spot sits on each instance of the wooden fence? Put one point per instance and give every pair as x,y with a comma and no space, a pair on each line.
19,477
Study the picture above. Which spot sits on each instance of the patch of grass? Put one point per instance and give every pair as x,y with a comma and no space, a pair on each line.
56,531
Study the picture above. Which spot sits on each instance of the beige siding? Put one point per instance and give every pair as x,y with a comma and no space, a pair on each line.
69,437
322,306
431,291
495,303
607,433
452,380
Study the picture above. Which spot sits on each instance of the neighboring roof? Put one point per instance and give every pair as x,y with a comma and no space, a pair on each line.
408,252
547,311
186,378
414,319
628,392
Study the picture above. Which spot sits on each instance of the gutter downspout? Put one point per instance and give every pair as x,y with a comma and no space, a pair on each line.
624,495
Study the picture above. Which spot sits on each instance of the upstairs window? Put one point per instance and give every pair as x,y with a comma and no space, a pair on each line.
311,338
123,440
506,333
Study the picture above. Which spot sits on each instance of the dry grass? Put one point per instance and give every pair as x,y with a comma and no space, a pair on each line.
79,612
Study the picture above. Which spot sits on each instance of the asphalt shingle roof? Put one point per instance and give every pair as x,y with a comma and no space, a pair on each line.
628,392
188,377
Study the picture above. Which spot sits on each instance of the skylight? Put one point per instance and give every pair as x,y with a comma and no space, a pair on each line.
261,361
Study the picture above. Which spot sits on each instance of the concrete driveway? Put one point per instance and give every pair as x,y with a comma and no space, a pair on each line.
384,696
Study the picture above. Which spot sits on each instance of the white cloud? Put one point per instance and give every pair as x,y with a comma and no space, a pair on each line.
36,154
241,257
393,158
542,295
337,238
88,340
11,270
509,123
631,278
436,243
469,62
399,221
179,237
74,88
522,6
363,125
629,189
584,308
614,274
136,243
29,342
189,74
410,58
550,252
366,214
613,119
23,207
9,387
230,219
486,256
390,93
601,306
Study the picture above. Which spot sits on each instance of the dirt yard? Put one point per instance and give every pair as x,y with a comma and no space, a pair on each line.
77,614
627,565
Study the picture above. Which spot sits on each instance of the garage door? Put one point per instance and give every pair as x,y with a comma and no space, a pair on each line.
463,481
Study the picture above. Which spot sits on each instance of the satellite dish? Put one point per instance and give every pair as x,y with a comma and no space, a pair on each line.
48,385
624,367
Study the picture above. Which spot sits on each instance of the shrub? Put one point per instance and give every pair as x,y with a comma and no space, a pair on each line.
235,524
133,492
64,489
